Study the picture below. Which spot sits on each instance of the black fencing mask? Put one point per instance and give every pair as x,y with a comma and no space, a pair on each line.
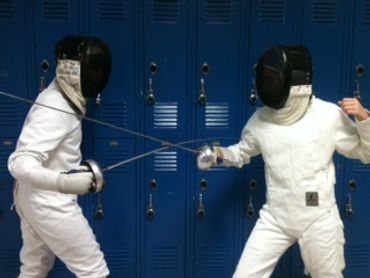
95,60
279,68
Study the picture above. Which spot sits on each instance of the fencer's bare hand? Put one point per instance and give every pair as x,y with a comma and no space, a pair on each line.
353,107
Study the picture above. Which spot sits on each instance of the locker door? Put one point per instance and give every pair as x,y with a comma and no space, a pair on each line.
165,101
357,175
13,68
116,228
113,21
325,21
216,202
165,67
163,214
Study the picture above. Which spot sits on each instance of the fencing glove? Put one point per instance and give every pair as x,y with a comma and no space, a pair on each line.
78,181
208,156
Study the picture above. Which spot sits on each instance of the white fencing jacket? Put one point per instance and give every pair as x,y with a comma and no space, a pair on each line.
299,159
49,138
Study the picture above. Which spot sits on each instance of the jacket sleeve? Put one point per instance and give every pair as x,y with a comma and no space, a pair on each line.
240,154
353,138
42,133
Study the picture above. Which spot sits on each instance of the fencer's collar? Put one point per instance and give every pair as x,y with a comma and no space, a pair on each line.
294,108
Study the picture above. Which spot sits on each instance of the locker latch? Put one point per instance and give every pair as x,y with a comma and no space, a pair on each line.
202,98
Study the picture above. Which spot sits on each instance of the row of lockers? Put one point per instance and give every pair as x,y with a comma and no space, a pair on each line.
181,70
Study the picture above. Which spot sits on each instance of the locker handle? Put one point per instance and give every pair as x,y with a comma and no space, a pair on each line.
150,96
201,211
253,96
250,207
202,98
349,208
150,213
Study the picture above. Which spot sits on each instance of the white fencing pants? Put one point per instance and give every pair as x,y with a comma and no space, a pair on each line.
53,224
321,246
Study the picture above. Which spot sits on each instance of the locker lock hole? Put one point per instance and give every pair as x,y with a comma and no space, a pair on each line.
45,66
360,69
153,184
352,184
252,184
203,184
153,68
205,68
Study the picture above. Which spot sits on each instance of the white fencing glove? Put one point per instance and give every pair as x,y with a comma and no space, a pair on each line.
78,181
208,157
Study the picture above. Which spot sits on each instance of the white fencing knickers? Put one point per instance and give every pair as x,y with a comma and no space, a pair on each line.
321,246
53,224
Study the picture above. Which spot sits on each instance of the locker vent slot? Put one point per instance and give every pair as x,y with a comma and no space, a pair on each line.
165,115
113,156
166,11
271,11
9,114
115,114
214,258
165,161
164,258
9,260
117,259
112,10
57,9
367,12
358,167
7,9
219,12
217,115
358,256
323,11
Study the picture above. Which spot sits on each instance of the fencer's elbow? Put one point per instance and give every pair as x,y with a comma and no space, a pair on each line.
19,166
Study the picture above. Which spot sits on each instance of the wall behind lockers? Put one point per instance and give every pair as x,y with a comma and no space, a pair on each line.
182,70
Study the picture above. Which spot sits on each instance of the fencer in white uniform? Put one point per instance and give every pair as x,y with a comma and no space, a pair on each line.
47,151
297,135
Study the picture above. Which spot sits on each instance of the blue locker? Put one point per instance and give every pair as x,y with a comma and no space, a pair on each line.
181,70
14,62
164,97
166,67
114,22
356,176
326,21
116,230
216,100
163,215
13,71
